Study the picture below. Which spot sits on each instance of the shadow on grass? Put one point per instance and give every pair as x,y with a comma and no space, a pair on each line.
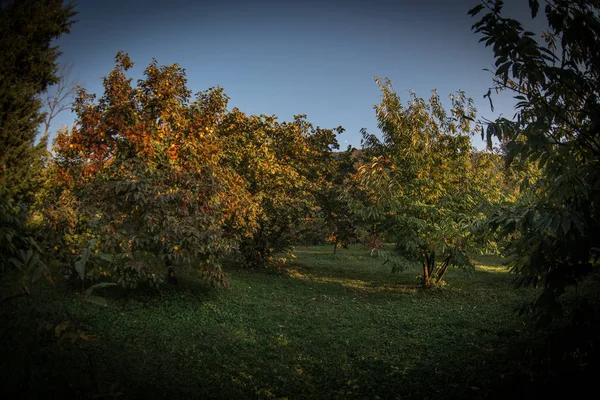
357,271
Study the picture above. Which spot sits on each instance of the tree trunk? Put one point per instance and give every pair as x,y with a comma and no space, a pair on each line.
426,278
443,269
428,268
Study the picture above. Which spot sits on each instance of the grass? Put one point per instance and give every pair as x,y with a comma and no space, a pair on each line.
329,326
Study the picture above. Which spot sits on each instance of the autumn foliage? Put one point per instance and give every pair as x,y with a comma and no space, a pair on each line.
149,172
150,175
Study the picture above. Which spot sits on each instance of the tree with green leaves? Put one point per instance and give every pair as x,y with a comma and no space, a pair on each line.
341,224
422,181
555,78
284,166
28,67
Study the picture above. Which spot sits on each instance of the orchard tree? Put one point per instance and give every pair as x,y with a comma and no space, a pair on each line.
143,169
283,166
341,224
422,180
555,78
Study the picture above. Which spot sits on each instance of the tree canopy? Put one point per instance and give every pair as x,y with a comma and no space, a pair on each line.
423,181
28,67
147,166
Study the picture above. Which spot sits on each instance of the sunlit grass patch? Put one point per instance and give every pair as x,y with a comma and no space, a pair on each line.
493,269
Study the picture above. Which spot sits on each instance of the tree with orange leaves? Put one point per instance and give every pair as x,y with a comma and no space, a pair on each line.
143,165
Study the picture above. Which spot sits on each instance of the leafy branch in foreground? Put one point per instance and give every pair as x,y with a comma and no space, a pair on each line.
555,78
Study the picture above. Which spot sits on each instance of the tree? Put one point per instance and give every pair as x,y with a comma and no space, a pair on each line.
341,223
283,166
28,65
422,182
142,171
60,97
556,81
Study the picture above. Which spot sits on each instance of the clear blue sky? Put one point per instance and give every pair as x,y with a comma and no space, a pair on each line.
293,57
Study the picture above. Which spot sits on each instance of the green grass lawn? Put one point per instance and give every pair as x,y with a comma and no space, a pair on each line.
328,326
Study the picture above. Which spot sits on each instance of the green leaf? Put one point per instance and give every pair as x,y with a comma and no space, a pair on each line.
534,5
544,159
490,145
101,301
101,285
502,71
500,60
17,263
80,268
475,10
28,256
105,256
85,254
555,224
489,96
566,225
578,224
37,273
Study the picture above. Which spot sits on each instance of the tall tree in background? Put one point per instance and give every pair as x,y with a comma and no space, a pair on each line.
59,98
341,224
556,79
27,68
